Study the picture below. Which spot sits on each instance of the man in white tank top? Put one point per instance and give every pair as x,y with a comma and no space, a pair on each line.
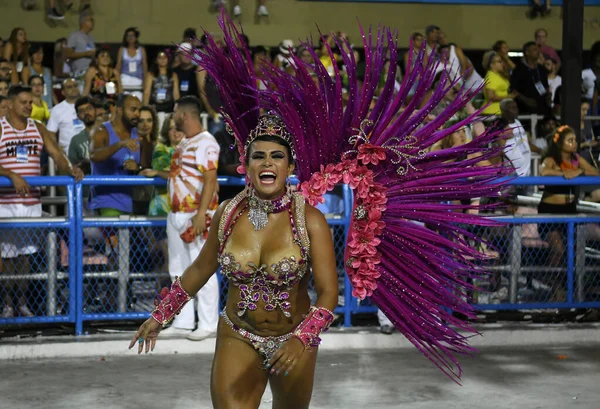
21,143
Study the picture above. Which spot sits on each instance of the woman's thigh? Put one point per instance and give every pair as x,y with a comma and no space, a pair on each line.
237,380
295,390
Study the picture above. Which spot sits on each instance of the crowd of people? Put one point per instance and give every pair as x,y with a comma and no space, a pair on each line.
116,115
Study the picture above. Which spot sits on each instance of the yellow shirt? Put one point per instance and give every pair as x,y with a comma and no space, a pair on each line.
500,86
41,114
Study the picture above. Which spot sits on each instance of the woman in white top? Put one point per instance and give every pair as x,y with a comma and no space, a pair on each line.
132,63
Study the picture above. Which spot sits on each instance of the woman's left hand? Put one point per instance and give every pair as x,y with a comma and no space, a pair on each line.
286,357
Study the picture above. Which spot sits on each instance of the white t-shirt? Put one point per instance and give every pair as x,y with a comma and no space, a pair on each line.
588,78
517,149
554,83
63,119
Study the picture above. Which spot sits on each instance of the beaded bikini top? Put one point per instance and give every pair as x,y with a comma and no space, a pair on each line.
258,284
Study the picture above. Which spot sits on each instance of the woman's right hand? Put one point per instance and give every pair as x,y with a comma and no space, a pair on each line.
146,334
150,173
572,173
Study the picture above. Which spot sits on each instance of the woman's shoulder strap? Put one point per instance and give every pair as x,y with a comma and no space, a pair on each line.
228,212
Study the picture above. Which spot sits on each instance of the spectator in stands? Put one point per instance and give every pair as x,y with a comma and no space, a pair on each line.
324,56
81,47
229,160
63,118
193,197
79,148
132,63
187,75
102,81
496,84
432,35
237,9
4,86
35,67
260,58
562,160
170,138
55,14
283,58
589,144
21,143
103,111
7,72
4,105
161,88
554,80
544,131
16,51
591,81
457,63
530,81
62,69
115,150
516,147
538,7
541,36
147,128
502,49
39,110
211,100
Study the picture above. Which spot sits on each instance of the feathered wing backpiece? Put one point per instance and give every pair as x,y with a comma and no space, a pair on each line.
406,248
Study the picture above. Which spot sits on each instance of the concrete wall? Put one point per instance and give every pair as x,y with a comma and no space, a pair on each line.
162,21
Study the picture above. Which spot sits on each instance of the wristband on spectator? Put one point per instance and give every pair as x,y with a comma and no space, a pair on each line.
170,303
317,320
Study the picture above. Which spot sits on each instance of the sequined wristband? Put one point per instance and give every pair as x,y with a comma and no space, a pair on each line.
169,303
317,320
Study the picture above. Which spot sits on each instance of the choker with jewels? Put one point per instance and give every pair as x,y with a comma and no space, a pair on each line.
258,214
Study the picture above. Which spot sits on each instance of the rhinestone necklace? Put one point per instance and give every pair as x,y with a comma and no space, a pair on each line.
260,208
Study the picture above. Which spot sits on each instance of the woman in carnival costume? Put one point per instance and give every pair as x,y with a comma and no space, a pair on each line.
406,248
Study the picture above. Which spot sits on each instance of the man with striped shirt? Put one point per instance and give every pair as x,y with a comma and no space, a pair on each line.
21,143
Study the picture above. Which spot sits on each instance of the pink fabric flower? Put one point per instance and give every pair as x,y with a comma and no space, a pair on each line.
370,154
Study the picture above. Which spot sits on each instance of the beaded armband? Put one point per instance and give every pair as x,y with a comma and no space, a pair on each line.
317,320
169,303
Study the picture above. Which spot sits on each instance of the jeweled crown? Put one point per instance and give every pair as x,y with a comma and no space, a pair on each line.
273,126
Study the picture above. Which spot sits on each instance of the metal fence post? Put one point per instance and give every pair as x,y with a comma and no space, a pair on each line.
570,259
515,262
76,294
51,250
123,280
348,299
580,240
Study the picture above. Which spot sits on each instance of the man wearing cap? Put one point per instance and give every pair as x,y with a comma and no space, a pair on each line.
284,59
189,79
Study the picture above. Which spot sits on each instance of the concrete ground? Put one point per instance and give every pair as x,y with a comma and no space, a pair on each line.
497,378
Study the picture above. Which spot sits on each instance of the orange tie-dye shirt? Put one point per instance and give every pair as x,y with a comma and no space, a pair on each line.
193,157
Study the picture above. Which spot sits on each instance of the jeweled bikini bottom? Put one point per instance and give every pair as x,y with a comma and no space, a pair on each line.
266,346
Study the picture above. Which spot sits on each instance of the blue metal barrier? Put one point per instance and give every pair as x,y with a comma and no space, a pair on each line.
117,284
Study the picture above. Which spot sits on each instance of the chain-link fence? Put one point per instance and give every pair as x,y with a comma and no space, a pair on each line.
541,262
75,268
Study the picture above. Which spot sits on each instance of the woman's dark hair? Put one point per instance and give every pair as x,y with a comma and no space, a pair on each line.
274,139
33,77
133,30
154,131
556,144
100,50
498,45
164,131
155,70
34,48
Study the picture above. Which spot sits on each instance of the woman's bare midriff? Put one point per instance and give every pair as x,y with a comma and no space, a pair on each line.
264,323
558,199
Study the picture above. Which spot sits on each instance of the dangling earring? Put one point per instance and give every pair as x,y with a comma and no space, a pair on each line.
288,185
